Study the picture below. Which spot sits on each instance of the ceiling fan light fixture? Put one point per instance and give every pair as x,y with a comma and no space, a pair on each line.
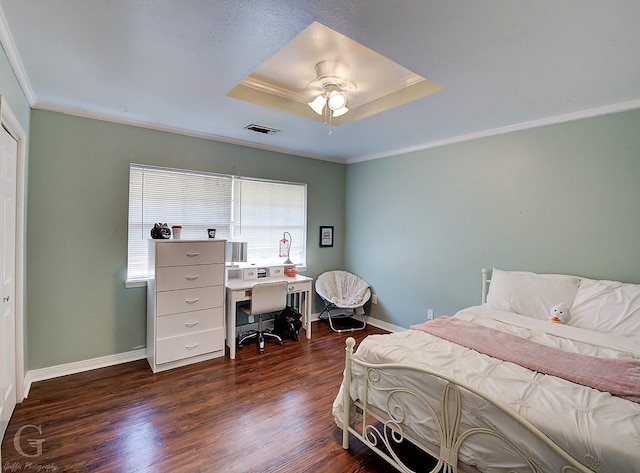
317,104
331,82
340,112
336,100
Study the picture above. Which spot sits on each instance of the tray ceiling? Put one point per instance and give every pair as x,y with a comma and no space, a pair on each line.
170,65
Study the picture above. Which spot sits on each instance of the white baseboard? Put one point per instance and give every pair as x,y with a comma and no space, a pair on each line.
79,366
385,325
372,321
51,372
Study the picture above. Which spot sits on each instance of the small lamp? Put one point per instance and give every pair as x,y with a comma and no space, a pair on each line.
285,247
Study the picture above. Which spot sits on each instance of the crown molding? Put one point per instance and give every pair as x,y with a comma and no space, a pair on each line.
14,60
555,120
558,119
81,113
257,83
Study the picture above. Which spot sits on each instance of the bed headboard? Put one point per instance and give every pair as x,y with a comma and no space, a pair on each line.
485,284
598,305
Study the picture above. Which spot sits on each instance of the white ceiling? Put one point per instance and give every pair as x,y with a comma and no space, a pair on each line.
169,64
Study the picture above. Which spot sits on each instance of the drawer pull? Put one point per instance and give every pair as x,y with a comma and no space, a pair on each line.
192,301
191,347
191,324
191,278
191,255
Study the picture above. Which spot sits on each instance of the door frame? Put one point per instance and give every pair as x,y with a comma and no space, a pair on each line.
11,123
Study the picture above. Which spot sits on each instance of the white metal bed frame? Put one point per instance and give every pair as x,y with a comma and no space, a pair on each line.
485,284
383,429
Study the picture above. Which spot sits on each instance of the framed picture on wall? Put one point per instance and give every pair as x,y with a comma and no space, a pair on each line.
326,236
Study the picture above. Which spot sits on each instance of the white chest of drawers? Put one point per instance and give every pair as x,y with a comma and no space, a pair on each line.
185,302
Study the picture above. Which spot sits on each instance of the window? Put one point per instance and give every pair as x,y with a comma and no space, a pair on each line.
240,209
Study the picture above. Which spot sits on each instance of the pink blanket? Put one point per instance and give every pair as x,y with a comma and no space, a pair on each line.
620,377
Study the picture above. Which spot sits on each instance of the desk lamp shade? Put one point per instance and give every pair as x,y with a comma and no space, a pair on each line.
285,246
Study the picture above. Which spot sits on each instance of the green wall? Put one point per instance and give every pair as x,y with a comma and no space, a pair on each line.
561,198
78,306
418,227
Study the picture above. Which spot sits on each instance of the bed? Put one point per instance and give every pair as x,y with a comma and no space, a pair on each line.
475,412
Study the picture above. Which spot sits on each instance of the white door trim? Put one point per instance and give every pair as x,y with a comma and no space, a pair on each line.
11,123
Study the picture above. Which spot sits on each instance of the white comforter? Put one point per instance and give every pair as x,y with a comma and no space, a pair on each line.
600,430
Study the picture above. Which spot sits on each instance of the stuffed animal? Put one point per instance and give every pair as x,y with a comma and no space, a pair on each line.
160,231
559,313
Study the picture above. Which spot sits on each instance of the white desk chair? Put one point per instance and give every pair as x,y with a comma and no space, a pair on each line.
265,298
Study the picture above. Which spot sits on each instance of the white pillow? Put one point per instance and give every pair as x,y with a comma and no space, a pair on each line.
531,294
607,307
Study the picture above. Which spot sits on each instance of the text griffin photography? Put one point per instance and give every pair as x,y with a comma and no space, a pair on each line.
28,442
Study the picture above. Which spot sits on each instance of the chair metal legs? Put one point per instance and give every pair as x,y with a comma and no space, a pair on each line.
361,323
259,335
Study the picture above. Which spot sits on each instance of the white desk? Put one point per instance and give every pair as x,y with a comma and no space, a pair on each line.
239,290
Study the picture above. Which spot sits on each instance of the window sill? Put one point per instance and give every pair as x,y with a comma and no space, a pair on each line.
135,283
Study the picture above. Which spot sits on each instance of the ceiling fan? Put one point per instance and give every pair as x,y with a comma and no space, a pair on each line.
329,87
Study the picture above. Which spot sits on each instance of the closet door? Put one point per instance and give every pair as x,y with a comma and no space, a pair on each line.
8,173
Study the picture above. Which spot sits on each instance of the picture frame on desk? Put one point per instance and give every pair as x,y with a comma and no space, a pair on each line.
326,236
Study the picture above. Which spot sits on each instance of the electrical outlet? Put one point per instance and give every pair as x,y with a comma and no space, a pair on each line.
429,314
374,299
251,319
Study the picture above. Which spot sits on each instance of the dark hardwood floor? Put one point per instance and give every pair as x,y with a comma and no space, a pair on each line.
258,413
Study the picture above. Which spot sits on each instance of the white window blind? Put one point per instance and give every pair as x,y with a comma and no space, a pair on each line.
264,210
240,209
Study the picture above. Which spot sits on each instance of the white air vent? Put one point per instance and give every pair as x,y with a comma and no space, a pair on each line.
261,129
